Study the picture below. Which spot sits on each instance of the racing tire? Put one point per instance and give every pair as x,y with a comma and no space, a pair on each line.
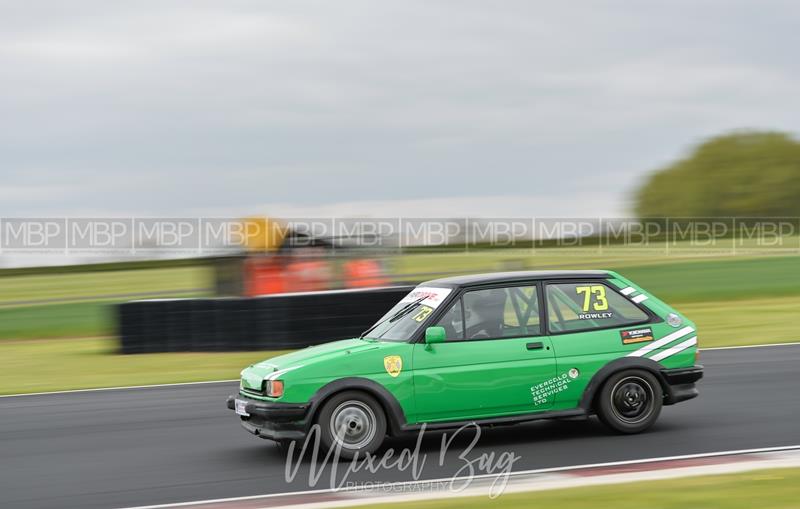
630,401
352,421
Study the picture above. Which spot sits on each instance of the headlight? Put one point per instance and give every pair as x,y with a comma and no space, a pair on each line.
273,388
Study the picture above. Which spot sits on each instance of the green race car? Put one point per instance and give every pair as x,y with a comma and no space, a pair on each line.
490,349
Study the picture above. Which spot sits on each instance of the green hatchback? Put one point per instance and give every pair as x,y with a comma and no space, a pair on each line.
490,349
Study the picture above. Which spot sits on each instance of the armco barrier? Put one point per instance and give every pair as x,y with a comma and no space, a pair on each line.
258,323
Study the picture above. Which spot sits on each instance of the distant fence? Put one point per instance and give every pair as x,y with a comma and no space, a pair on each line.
260,323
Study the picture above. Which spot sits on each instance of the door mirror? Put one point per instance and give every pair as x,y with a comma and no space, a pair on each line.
435,335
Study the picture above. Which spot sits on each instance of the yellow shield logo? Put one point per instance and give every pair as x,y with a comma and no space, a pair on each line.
393,365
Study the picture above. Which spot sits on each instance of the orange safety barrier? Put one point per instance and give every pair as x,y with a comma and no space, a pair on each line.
364,273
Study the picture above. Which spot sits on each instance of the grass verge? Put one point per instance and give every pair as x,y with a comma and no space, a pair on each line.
744,322
733,301
720,322
64,364
765,489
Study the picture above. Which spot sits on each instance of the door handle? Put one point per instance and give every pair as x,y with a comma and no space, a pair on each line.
534,346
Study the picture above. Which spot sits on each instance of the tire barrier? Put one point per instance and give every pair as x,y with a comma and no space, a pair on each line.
273,322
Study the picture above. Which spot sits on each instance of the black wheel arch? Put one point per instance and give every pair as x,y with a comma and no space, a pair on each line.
615,366
395,417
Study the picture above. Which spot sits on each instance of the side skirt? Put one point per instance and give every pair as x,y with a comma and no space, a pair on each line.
498,421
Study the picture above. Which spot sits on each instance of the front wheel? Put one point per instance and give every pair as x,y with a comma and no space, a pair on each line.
352,421
630,401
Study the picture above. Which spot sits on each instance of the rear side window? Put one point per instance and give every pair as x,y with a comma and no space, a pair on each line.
589,305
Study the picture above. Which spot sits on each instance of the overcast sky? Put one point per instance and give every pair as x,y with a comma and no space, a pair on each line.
377,108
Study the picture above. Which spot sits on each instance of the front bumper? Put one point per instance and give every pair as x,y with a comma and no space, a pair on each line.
680,383
272,420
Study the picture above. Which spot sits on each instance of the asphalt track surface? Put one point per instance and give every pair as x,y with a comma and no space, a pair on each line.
133,447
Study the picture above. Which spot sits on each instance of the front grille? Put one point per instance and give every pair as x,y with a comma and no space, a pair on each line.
258,392
253,391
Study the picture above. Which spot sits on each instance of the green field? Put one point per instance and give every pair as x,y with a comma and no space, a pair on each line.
80,304
719,280
97,285
69,320
765,489
589,257
58,320
723,295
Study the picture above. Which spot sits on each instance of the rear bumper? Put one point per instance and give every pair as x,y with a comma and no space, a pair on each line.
681,383
275,421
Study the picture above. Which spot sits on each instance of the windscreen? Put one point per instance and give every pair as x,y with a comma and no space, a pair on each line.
408,315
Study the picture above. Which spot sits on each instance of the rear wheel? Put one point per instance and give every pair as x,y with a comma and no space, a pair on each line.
352,421
630,401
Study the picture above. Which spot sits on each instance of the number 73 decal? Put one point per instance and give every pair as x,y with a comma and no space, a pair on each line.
593,296
423,313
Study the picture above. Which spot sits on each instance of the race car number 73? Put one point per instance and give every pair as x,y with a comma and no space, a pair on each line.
599,293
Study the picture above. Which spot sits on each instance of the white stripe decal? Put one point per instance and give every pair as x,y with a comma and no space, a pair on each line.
627,291
281,372
660,356
661,342
639,298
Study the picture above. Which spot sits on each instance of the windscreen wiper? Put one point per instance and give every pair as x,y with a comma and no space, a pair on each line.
406,310
400,313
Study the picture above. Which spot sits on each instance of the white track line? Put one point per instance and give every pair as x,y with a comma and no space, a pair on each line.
749,346
178,384
483,476
99,389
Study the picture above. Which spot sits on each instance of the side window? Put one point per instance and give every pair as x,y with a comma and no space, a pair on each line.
521,316
589,305
453,322
501,313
